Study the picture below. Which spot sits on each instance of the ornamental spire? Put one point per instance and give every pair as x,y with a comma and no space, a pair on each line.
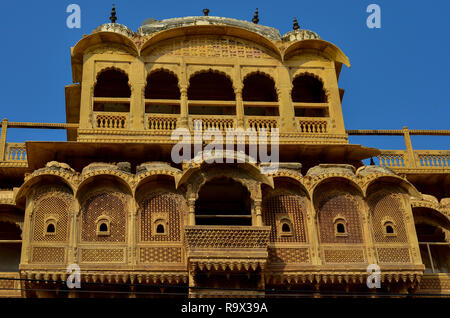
256,17
296,26
113,17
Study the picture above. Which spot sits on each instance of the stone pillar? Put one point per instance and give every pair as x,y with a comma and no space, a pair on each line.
133,233
409,148
73,242
240,113
334,101
184,107
367,234
258,213
313,235
26,248
87,94
3,139
191,213
286,107
137,100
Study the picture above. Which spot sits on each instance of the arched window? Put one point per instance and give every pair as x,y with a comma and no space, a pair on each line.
259,88
340,226
389,228
162,84
308,89
103,227
223,201
112,83
210,86
286,228
51,228
160,229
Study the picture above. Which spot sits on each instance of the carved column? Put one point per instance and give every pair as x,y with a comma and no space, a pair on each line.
286,108
137,101
258,212
184,107
240,113
191,213
368,238
26,237
73,238
133,233
87,94
313,235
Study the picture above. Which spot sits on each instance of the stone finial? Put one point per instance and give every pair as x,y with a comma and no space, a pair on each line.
206,12
372,162
296,25
113,17
255,19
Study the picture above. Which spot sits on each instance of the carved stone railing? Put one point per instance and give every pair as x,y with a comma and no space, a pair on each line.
110,120
258,123
433,159
163,122
393,158
313,125
15,152
421,160
215,122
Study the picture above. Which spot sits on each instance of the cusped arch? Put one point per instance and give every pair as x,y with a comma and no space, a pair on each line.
214,71
171,74
114,68
264,74
208,30
301,73
148,177
327,48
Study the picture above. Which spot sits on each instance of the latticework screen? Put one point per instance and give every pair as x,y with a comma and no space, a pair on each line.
165,205
387,206
294,207
52,202
339,205
111,204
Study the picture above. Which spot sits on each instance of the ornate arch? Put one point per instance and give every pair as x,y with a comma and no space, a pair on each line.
114,67
194,70
299,73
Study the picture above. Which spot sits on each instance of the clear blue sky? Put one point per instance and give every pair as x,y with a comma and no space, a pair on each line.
400,74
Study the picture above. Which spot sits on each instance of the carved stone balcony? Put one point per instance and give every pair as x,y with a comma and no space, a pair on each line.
227,247
258,123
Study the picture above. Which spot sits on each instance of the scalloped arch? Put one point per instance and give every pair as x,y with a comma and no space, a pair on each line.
406,185
300,73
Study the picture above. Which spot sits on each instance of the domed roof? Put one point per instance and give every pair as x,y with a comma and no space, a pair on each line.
153,26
